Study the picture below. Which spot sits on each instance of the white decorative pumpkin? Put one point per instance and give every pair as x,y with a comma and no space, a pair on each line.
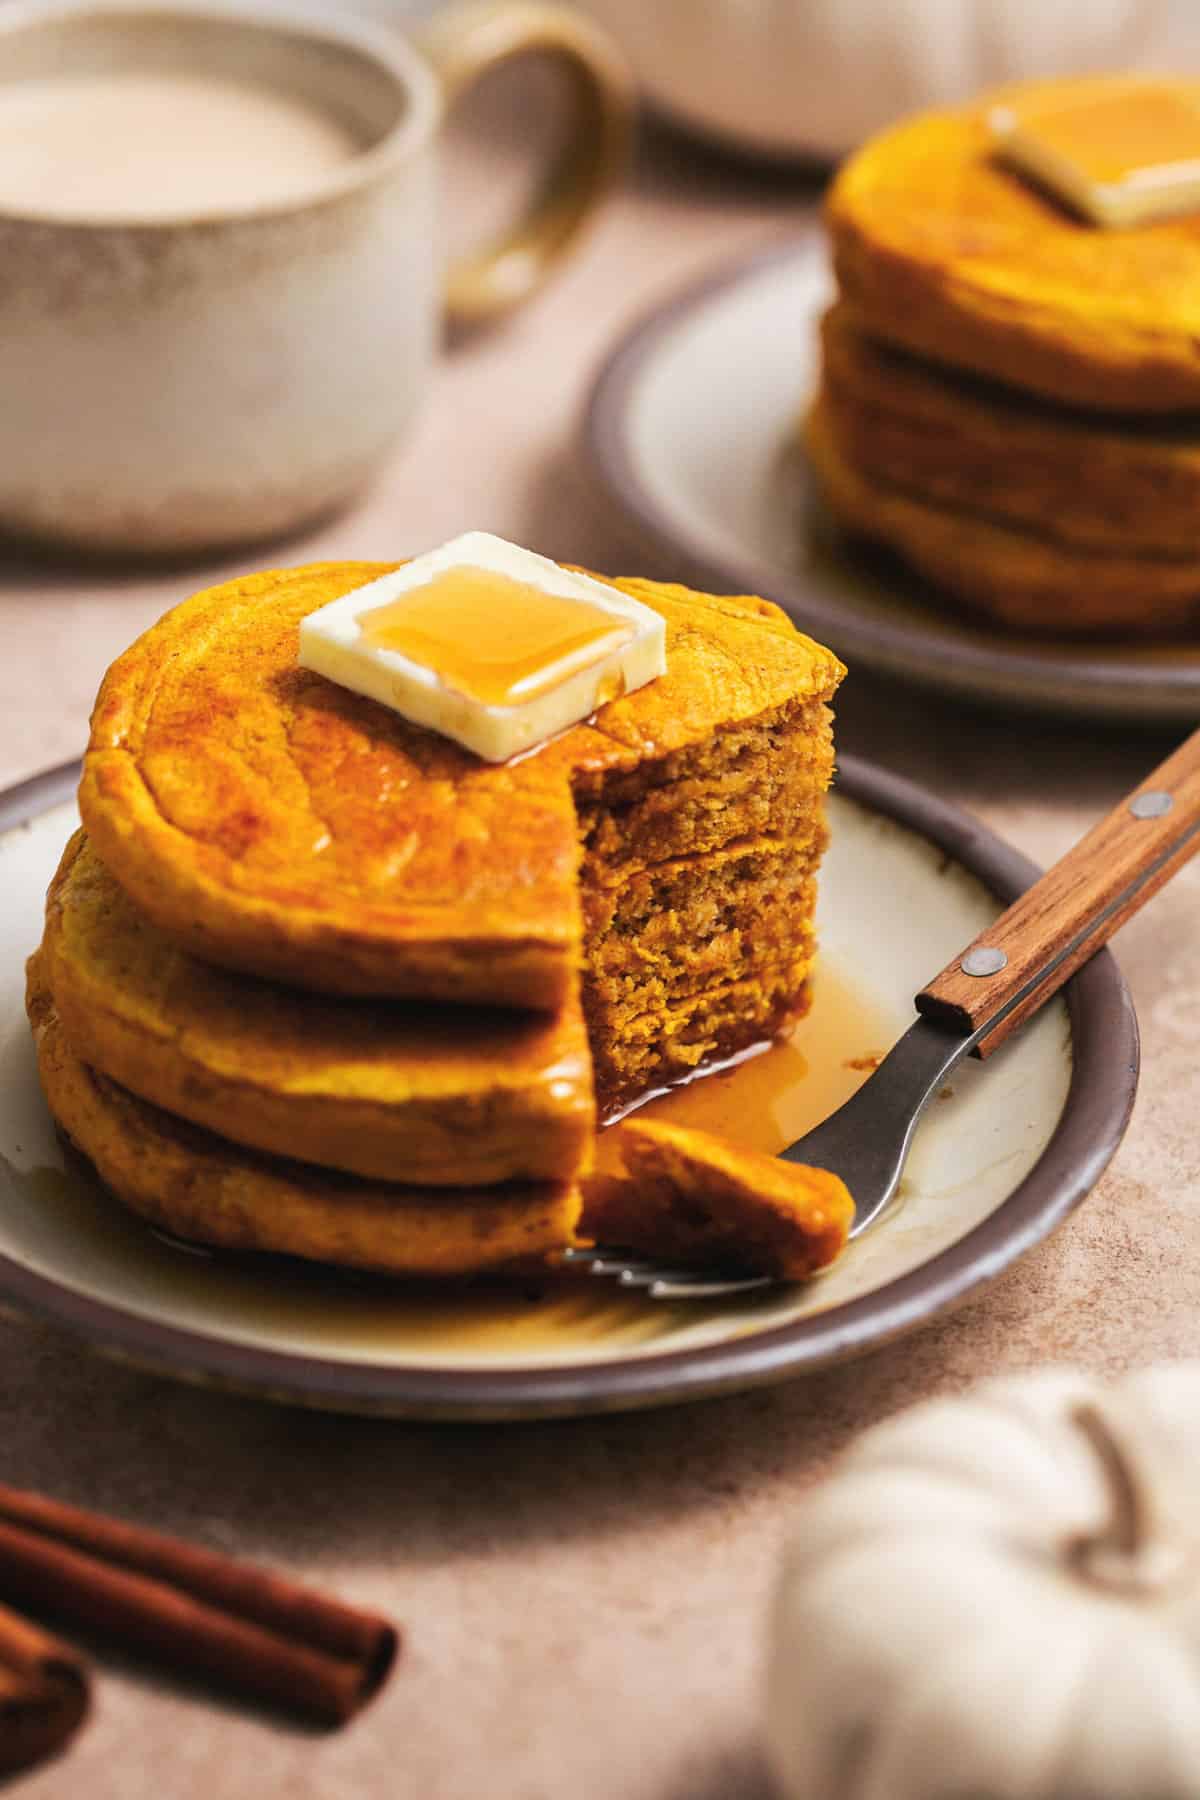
816,77
998,1598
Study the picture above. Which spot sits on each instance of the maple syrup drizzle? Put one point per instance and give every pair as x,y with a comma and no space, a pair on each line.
768,1096
492,638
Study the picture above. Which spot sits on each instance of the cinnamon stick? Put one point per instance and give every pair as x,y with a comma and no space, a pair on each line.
192,1610
43,1694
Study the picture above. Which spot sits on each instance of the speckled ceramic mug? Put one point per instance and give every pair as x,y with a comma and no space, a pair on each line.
178,383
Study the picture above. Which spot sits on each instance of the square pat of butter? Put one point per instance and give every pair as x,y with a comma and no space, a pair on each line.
487,643
1120,150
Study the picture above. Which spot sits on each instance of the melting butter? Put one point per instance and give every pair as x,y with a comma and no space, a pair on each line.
488,644
493,638
1122,151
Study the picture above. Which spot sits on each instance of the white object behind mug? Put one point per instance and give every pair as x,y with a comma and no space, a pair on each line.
816,77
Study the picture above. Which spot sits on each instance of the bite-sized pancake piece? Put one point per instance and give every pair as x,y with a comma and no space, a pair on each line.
698,1201
201,1188
452,1096
943,249
1130,485
269,820
1027,582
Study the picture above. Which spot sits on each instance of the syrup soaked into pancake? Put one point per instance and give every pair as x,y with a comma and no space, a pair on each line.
494,639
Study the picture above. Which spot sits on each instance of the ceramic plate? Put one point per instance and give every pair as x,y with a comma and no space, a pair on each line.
692,424
1011,1147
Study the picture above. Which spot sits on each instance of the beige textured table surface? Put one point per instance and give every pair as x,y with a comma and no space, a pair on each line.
582,1600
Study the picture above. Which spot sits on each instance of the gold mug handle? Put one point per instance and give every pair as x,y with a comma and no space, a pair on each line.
467,42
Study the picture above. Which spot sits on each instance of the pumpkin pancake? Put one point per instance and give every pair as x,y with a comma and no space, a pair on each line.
942,249
1025,581
202,1188
271,821
698,1201
1130,485
446,1095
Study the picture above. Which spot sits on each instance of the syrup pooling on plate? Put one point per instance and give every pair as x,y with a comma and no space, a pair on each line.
766,1100
491,637
768,1097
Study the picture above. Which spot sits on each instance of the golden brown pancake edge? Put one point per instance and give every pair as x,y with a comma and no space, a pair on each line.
1095,482
200,1188
452,1096
1022,581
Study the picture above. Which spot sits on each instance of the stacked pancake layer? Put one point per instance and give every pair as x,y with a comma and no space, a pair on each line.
276,1001
1010,396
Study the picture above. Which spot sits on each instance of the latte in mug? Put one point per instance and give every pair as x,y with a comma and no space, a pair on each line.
152,145
219,231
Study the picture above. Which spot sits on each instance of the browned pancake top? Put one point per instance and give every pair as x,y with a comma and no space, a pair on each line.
942,248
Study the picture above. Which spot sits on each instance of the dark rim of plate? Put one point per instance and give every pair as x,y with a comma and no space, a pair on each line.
980,663
1099,1101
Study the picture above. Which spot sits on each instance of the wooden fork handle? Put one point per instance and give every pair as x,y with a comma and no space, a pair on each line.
1015,965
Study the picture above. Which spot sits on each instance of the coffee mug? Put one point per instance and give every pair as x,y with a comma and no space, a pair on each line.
224,373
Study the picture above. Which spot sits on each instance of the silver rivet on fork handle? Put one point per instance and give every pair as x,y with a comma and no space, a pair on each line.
1152,804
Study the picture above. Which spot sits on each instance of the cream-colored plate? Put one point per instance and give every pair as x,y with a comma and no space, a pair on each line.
998,1162
693,424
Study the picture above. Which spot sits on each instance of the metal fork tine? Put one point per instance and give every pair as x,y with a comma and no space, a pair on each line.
649,1276
605,1259
693,1289
660,1283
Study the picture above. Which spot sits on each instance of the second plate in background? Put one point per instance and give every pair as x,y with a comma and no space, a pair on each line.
692,425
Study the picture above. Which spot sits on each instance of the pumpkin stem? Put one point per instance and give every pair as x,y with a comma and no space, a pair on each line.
1128,1552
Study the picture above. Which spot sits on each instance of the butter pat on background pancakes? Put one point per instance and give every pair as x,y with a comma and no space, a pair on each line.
1121,151
486,643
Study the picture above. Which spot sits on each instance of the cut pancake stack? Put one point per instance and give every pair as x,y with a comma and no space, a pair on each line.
1010,396
315,981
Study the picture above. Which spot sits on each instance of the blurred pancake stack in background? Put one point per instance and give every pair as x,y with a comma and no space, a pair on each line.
1010,394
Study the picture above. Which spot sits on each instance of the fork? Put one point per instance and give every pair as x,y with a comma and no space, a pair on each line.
1011,969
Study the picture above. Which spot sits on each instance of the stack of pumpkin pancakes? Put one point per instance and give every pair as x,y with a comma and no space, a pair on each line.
317,981
1011,395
